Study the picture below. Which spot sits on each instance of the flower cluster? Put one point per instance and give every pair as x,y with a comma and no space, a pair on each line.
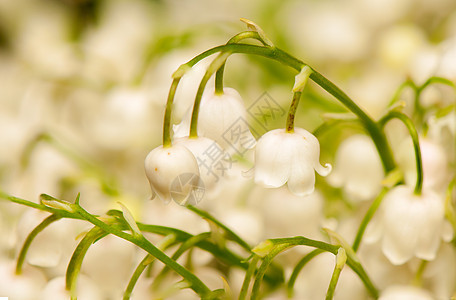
79,114
281,156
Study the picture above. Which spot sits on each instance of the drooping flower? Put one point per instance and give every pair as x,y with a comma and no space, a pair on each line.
222,118
289,157
358,169
435,164
411,225
213,161
173,174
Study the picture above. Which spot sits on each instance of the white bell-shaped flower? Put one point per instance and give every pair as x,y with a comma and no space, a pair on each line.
213,161
411,225
292,157
222,118
435,164
357,168
173,174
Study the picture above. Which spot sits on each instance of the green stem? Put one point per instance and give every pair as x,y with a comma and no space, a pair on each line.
235,39
264,266
134,278
416,144
352,262
341,258
213,67
28,241
292,111
190,242
369,214
231,235
148,259
417,281
195,283
219,80
74,266
274,53
299,266
169,107
248,276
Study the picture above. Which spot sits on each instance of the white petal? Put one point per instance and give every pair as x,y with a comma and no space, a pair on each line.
302,180
273,157
164,165
312,147
223,118
400,234
213,161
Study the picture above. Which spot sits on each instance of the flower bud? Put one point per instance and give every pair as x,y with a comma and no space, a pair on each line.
164,166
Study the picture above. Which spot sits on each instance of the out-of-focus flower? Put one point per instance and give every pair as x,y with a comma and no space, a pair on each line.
222,118
213,161
435,164
24,286
164,165
55,289
399,44
357,168
291,215
443,131
289,157
405,292
411,225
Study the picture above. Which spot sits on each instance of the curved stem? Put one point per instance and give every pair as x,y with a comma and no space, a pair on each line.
74,266
230,234
369,214
416,144
235,39
341,258
263,267
134,278
219,80
292,111
169,107
352,262
148,259
213,67
294,275
248,275
274,53
28,241
195,283
188,244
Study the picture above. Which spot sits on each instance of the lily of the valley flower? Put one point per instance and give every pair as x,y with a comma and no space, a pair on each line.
164,165
222,118
358,169
292,157
213,161
411,225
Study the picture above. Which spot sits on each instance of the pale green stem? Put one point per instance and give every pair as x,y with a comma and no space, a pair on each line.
28,241
299,266
292,111
369,214
416,144
369,124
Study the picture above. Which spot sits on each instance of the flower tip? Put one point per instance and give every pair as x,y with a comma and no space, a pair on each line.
323,171
248,173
